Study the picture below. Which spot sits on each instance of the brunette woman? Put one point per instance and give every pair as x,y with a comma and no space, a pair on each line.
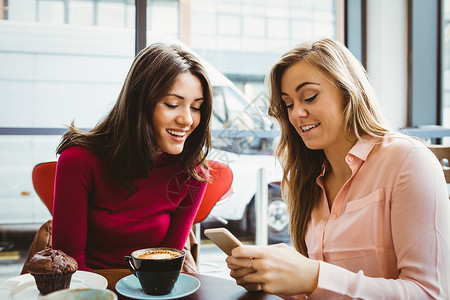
136,179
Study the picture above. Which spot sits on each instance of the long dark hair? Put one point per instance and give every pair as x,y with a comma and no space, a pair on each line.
125,138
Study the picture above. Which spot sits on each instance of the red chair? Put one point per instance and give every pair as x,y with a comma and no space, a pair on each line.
219,187
43,177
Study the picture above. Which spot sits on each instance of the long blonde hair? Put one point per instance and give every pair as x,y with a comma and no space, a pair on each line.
301,166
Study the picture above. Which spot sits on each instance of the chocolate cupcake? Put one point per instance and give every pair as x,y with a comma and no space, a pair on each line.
52,270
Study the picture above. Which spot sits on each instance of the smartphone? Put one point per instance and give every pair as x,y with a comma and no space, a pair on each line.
223,238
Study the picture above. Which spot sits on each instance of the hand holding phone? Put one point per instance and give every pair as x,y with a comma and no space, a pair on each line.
223,238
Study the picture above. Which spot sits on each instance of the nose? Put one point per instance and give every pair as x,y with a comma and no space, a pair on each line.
184,118
299,111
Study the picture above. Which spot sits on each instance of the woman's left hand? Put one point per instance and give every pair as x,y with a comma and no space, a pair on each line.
276,269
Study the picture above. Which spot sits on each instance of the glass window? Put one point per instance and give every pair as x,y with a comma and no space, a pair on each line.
254,26
22,10
446,64
229,25
81,12
53,72
229,43
206,6
278,28
278,11
326,5
163,16
130,15
305,4
249,9
59,72
198,21
249,44
267,25
51,12
302,30
111,14
230,6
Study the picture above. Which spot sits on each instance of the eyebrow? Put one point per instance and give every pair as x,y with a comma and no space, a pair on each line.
300,86
182,98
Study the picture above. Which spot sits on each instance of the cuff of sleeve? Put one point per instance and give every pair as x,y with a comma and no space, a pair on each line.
332,282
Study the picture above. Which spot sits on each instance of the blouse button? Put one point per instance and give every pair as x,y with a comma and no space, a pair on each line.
350,158
334,216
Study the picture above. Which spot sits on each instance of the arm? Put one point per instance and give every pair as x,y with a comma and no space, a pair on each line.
182,218
69,230
419,224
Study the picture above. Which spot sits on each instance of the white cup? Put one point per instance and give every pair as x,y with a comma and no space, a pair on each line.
81,294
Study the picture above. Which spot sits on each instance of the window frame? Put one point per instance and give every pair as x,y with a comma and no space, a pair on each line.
424,77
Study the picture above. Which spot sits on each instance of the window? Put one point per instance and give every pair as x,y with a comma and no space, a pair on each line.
81,12
162,16
446,64
284,23
57,59
242,38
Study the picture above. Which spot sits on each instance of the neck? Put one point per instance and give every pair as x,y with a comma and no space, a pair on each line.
336,158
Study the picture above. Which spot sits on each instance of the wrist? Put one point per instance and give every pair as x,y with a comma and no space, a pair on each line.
315,269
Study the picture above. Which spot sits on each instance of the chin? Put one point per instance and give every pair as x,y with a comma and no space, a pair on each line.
173,150
312,146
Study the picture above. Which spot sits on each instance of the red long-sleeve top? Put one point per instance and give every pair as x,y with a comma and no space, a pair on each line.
98,223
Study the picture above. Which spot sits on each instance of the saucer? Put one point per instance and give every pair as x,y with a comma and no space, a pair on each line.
129,286
24,287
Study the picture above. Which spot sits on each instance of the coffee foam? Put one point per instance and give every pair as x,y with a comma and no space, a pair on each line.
157,254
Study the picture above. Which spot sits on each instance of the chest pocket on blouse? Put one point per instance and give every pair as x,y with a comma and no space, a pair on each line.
359,231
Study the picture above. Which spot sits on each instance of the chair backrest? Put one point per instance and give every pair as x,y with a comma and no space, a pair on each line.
43,177
443,155
219,187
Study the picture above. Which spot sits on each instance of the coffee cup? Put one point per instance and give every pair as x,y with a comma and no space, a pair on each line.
79,294
157,269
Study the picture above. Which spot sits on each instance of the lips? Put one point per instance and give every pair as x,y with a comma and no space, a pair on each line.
309,127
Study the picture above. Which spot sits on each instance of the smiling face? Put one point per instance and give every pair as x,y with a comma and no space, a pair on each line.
314,106
177,115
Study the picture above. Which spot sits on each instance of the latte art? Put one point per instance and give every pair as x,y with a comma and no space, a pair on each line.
158,254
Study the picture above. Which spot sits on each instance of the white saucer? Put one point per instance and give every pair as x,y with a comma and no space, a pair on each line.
129,286
23,287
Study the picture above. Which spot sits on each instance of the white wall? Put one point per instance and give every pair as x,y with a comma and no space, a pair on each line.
387,41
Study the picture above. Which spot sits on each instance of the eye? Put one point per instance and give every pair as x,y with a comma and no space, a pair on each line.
171,105
196,108
288,101
311,98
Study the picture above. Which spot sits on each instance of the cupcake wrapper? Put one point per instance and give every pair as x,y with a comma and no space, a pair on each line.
47,283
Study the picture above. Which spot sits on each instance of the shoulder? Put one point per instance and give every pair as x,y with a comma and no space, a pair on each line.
401,148
73,152
78,161
77,155
399,144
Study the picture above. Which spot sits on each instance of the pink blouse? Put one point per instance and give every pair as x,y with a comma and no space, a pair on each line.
387,234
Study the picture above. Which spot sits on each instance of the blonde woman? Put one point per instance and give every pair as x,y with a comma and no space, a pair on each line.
369,209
